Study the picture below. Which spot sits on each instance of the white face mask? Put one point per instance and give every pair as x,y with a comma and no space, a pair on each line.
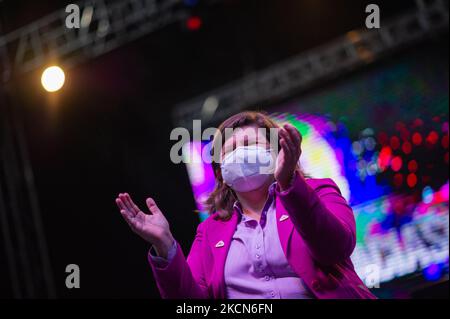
247,168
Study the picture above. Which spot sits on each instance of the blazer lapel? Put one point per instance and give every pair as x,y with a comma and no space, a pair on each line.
219,241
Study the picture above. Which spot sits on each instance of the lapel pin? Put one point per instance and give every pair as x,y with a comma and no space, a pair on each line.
220,244
284,217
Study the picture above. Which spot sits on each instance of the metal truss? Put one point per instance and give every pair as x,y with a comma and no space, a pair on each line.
105,25
353,50
21,229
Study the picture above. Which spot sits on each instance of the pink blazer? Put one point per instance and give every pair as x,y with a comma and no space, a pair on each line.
316,228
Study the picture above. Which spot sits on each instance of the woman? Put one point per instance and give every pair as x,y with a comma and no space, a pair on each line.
271,233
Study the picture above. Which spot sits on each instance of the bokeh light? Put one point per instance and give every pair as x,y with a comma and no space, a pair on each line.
53,79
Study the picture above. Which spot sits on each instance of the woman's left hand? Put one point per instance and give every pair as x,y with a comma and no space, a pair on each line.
287,160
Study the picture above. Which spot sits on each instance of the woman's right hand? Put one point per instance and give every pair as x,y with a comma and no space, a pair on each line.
152,227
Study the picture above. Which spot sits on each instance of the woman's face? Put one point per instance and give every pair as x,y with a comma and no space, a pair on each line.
245,136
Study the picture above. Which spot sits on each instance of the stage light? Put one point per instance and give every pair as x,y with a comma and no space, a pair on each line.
194,23
370,143
427,195
433,272
432,138
436,119
396,163
413,166
417,123
384,159
395,142
372,168
53,78
368,132
411,180
407,148
357,148
417,138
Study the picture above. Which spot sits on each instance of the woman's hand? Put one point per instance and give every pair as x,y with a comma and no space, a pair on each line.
152,227
287,160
